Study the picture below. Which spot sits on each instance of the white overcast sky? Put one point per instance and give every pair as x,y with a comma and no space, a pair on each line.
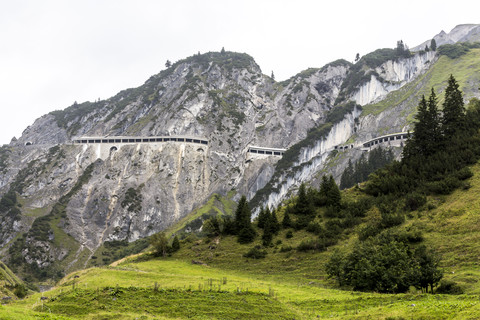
53,53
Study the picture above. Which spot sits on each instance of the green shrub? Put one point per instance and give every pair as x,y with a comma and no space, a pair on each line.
414,200
449,287
315,228
255,253
454,51
20,291
286,248
310,245
445,186
464,174
302,221
246,235
133,200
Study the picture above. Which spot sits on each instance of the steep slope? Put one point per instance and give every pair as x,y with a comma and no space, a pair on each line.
8,283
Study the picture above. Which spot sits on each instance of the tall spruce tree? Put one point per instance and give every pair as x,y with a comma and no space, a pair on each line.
418,140
240,213
268,228
267,232
243,224
434,124
346,181
287,221
261,218
274,222
303,205
453,120
426,136
333,194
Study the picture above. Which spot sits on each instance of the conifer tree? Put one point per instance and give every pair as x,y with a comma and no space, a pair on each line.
303,205
243,224
433,45
346,181
267,230
323,192
175,244
274,225
261,218
267,217
333,194
242,214
416,144
287,221
426,136
453,120
434,123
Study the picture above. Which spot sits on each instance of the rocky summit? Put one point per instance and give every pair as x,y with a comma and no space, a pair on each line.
130,166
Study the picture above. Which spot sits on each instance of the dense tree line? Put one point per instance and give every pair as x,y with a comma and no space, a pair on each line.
436,156
241,225
353,174
435,161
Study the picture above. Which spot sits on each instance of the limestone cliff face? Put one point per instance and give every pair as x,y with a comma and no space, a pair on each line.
392,75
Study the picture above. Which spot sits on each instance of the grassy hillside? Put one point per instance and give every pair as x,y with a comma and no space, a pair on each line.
8,282
210,278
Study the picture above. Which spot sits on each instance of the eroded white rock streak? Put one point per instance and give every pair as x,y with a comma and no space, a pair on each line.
311,158
394,74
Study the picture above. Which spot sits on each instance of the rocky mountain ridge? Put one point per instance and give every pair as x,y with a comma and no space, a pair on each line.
460,33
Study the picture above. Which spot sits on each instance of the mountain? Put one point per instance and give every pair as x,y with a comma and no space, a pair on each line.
461,33
66,204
